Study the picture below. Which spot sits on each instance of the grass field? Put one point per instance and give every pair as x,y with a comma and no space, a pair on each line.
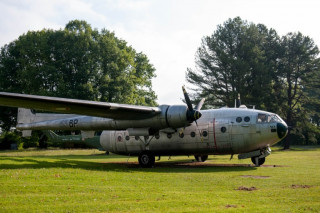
89,181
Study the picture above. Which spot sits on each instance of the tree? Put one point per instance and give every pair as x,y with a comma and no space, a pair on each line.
298,65
76,62
233,60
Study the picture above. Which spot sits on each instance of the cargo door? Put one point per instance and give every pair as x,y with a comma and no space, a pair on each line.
221,135
120,142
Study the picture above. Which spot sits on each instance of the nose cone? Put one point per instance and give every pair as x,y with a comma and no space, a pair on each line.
282,130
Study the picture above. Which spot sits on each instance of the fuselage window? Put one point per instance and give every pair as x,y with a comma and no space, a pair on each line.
246,119
193,134
204,133
169,135
127,137
223,129
137,137
239,119
157,136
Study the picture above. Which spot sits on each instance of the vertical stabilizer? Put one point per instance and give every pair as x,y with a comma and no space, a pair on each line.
25,116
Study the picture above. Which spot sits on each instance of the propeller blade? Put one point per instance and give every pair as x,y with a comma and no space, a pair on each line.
199,131
186,97
199,106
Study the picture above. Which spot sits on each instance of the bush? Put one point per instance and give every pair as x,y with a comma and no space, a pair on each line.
32,141
9,138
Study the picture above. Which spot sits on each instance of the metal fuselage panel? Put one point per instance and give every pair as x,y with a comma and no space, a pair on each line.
223,131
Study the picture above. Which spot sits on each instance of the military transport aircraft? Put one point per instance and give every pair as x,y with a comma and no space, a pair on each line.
166,130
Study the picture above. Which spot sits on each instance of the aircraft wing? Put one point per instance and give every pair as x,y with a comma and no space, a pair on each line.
80,107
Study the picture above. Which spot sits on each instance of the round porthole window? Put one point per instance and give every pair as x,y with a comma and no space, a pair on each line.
239,119
119,138
223,129
204,133
157,136
169,135
193,134
247,119
127,137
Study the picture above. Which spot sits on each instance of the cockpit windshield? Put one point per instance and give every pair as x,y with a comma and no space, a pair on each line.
267,118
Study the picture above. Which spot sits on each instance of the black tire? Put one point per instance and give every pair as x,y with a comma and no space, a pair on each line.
201,158
260,161
146,159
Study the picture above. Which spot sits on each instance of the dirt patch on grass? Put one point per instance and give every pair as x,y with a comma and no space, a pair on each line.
244,188
294,186
254,176
231,206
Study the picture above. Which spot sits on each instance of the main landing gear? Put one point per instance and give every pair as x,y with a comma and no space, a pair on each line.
201,158
146,159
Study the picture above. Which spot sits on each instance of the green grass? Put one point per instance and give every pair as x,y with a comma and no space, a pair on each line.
89,181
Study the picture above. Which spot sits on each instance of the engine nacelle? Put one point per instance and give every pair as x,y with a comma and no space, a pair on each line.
176,116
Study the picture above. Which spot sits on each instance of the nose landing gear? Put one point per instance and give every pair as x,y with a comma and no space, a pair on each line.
258,157
258,161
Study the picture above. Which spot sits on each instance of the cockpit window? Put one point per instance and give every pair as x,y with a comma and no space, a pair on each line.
265,118
262,118
274,118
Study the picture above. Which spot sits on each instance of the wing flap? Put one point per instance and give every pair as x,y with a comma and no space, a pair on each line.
80,107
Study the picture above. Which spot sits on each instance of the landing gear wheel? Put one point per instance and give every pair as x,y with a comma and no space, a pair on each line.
260,161
201,158
146,159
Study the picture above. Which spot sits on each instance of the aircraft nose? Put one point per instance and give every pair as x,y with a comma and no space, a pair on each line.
282,130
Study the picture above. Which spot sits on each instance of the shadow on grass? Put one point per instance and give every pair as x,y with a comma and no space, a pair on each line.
121,164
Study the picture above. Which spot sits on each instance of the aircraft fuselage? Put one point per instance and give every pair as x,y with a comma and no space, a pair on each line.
219,131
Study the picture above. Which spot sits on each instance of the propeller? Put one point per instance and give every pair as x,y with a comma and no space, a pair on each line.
193,114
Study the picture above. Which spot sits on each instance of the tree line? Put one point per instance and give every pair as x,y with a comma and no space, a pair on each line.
275,73
75,62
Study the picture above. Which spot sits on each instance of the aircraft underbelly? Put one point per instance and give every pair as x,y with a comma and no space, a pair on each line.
120,142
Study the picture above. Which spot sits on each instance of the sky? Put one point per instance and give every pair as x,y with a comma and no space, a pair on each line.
167,31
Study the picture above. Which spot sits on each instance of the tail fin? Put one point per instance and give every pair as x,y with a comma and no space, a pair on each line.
25,116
